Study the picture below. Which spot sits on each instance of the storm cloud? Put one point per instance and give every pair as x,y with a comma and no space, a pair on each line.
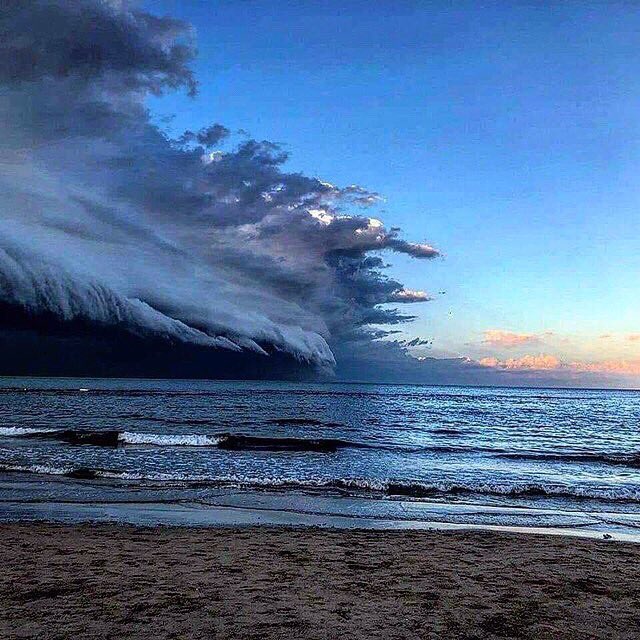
107,219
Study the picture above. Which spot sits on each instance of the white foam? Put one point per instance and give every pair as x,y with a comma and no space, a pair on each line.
169,440
276,482
38,468
16,432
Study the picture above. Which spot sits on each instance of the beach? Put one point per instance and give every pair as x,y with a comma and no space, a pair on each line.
114,581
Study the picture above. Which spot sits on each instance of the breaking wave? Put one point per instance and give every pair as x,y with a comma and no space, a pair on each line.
169,440
623,459
351,486
226,441
241,442
233,442
17,432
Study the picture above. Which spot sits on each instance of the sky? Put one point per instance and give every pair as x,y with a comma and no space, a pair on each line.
505,134
484,151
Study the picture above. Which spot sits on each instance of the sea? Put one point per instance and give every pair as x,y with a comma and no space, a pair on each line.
355,455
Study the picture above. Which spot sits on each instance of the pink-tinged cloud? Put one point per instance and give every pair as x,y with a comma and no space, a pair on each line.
541,362
633,337
508,339
614,367
544,362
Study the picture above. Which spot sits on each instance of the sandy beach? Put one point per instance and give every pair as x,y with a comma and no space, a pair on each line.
110,581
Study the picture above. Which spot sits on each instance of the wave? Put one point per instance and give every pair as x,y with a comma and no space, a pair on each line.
618,459
226,441
70,436
39,469
248,443
229,441
489,489
112,438
352,486
168,440
76,437
17,432
240,442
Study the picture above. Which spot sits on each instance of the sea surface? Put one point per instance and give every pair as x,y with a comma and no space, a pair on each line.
398,455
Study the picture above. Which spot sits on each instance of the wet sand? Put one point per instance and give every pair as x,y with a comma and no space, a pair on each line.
110,581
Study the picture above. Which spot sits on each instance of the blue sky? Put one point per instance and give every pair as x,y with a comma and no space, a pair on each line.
505,134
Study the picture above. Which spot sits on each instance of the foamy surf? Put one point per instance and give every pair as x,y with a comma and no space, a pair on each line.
353,486
17,432
169,440
225,441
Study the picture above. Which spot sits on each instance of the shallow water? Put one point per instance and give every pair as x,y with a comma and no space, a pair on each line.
363,450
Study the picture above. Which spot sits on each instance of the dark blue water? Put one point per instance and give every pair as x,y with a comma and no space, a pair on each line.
552,450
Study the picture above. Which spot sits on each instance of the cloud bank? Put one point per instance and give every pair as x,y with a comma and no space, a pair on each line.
108,220
540,362
546,362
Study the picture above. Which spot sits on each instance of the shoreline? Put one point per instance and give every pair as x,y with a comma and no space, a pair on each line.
113,580
153,514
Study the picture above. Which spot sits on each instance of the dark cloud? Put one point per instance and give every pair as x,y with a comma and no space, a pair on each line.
207,136
58,39
418,342
109,221
412,248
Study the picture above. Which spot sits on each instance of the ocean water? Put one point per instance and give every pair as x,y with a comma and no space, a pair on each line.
399,453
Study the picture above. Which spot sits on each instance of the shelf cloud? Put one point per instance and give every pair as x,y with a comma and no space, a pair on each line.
107,219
